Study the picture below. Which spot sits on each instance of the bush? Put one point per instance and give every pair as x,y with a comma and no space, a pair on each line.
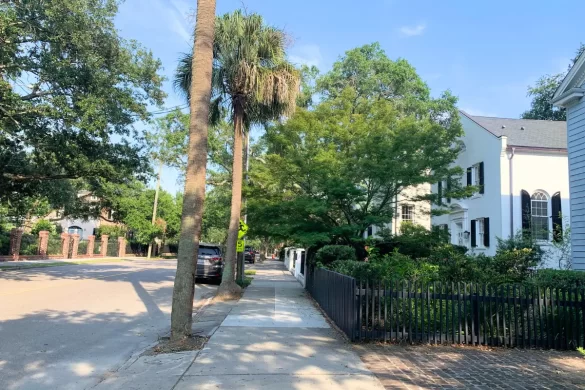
112,231
521,241
330,253
455,266
557,279
414,240
43,224
388,268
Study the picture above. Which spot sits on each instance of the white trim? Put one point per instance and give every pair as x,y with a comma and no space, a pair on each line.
574,78
569,98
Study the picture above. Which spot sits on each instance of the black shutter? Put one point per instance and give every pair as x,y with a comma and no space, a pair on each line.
448,190
525,209
468,176
481,178
440,192
557,217
473,233
486,232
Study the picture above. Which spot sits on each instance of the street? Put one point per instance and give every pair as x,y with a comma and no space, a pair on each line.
67,327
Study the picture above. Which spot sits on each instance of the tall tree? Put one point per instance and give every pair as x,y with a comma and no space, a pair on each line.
70,90
542,93
253,80
332,171
194,195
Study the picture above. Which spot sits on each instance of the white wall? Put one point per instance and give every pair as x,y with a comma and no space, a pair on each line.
538,171
422,210
480,145
87,226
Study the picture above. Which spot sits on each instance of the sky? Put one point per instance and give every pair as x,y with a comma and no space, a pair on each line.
485,52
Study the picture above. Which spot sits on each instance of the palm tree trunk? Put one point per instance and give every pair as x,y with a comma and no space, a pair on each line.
228,287
194,195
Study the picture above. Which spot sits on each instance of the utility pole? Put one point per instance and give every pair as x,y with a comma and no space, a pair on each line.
160,165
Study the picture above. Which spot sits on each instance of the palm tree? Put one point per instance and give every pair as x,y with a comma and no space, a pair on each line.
252,78
194,196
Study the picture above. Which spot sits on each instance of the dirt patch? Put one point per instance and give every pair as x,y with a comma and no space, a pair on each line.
194,343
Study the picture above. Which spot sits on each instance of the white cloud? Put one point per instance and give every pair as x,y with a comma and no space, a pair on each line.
306,55
411,31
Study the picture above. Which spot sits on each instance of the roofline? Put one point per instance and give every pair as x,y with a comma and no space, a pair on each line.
535,148
569,77
568,97
473,120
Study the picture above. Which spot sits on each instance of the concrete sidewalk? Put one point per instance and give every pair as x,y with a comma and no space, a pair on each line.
273,338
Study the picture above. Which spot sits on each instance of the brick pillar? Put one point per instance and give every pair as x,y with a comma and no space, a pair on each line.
43,243
121,246
75,238
104,249
90,245
65,237
15,240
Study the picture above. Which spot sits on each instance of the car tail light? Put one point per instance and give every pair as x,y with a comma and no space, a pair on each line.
215,259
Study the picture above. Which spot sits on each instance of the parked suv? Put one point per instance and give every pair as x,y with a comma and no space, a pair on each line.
249,255
209,262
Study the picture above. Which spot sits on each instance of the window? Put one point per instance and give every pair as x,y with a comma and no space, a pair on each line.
407,212
475,176
370,230
539,216
480,232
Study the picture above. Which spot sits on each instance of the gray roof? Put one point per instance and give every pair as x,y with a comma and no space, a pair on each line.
536,133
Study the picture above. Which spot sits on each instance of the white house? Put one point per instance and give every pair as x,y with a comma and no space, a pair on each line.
520,167
570,95
406,209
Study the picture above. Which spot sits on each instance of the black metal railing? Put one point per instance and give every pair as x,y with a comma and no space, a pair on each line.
335,293
452,313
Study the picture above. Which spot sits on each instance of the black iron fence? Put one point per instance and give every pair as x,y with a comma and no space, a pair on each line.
452,313
335,293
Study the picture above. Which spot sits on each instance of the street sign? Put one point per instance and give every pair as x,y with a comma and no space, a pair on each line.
242,230
240,246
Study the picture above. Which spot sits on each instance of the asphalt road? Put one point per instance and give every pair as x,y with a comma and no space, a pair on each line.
67,327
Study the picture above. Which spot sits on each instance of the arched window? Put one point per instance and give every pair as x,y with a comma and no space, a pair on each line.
539,215
75,230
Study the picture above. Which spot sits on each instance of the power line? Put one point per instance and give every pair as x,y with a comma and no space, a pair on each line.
169,109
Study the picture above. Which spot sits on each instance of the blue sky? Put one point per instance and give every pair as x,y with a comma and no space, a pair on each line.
486,53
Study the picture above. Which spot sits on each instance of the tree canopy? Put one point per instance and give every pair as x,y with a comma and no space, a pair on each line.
331,171
70,90
542,93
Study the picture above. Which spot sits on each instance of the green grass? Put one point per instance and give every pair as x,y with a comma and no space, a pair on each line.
59,264
250,272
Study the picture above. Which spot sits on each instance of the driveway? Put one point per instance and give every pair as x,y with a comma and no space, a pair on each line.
65,327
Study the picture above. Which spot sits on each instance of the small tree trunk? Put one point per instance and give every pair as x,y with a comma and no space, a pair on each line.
228,287
184,289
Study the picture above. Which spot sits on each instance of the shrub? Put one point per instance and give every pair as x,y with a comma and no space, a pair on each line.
557,279
414,240
387,268
43,224
514,265
455,266
111,231
522,241
330,253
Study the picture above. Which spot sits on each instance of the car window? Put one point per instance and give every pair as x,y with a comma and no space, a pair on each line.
209,251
